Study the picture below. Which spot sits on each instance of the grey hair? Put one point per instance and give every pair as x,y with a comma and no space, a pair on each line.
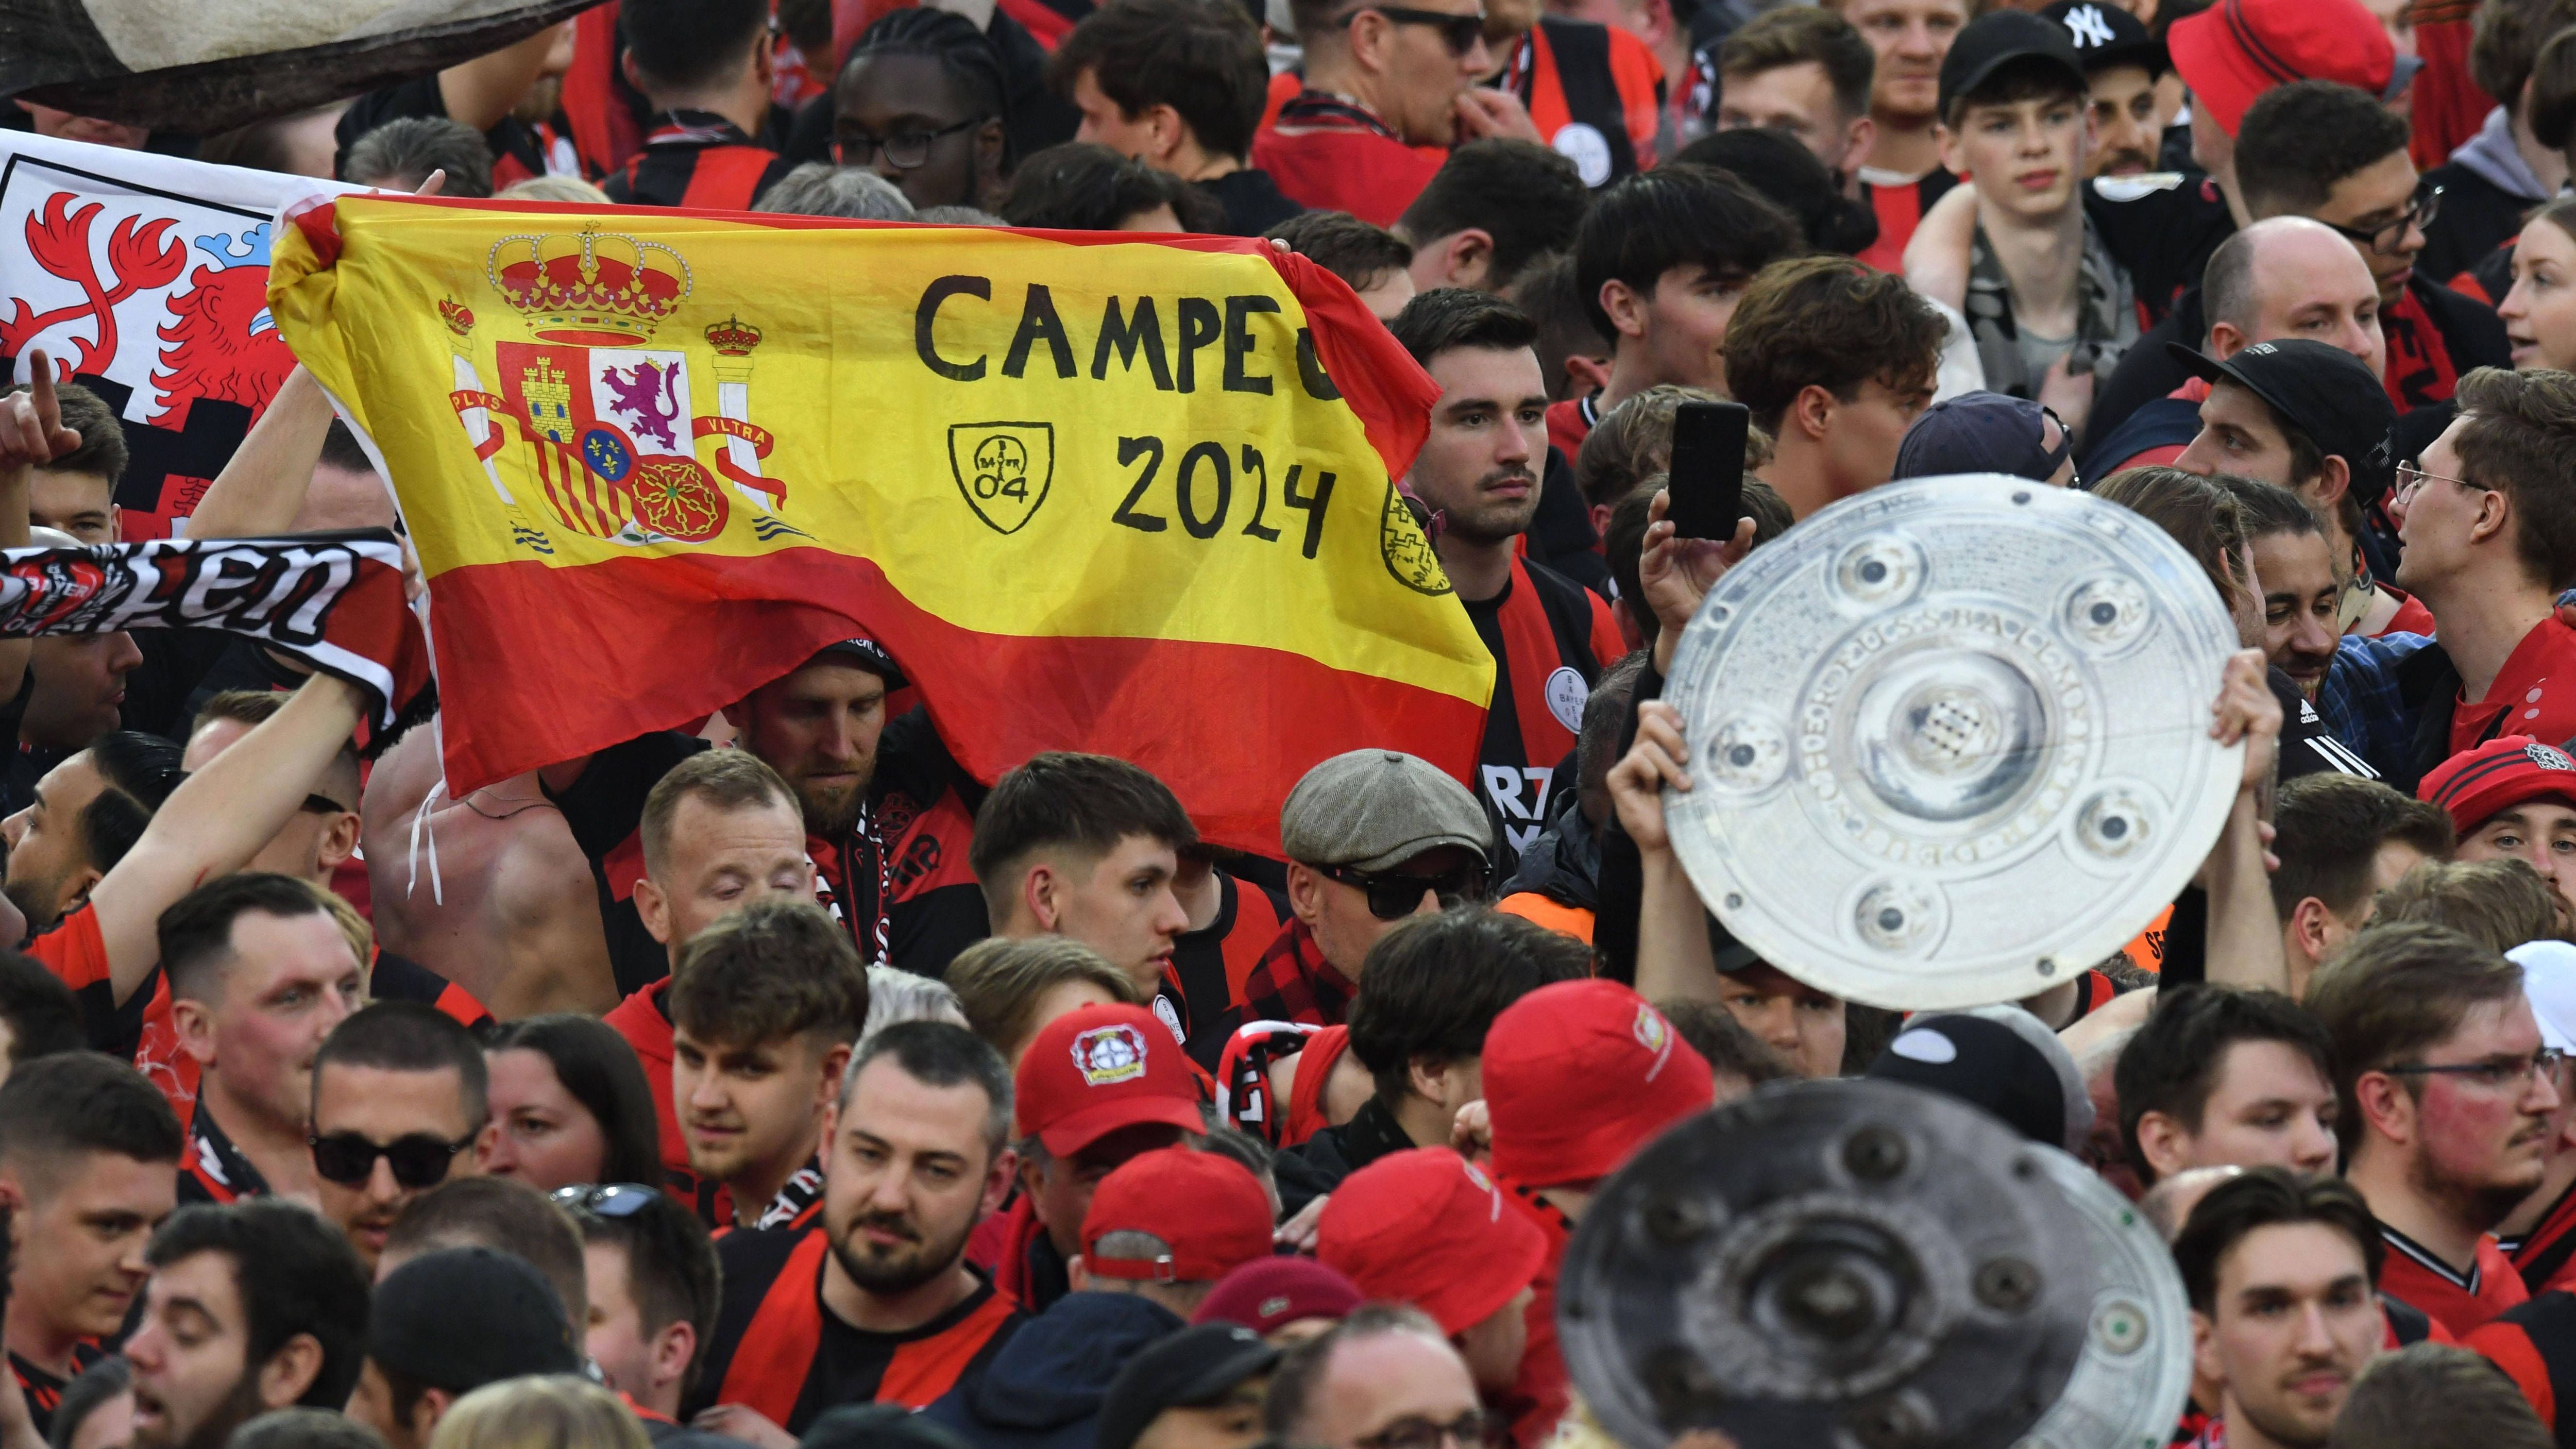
819,188
958,216
895,994
1288,1406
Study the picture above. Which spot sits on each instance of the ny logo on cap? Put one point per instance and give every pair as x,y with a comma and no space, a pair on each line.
1108,1055
2086,27
2548,758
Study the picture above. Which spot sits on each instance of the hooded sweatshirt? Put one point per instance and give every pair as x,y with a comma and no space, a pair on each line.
1043,1390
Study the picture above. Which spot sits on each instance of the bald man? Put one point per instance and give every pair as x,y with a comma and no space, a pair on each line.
2285,277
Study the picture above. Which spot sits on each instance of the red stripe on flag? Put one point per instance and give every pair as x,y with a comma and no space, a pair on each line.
625,644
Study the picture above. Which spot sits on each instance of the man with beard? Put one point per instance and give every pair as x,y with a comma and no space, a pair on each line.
2280,1272
251,1307
2446,1096
87,1157
2295,566
764,1008
875,1302
1478,472
885,824
2121,66
2514,799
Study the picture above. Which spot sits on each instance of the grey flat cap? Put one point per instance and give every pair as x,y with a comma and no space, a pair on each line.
1375,809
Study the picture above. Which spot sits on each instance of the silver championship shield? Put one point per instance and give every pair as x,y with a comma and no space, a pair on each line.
1843,1265
1949,740
2131,1384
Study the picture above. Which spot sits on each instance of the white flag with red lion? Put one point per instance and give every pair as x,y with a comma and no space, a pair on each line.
146,278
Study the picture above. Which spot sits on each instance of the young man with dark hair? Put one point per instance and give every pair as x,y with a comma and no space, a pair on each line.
2490,539
500,1213
1572,352
2222,1077
251,1306
1662,260
1835,361
1805,70
259,977
1372,259
1433,988
2122,64
2446,1092
764,1008
2341,839
2281,1272
1480,470
2049,308
76,492
2301,595
2500,175
2513,798
1384,87
398,1097
651,1275
704,68
1085,846
38,1017
2307,416
1178,85
88,1150
1490,208
874,1301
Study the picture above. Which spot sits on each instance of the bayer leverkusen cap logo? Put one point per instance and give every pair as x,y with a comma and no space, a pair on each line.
1099,1069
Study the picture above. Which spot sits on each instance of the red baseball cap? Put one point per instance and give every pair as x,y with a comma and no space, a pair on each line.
2237,49
2498,775
1267,1293
1208,1207
1096,1069
1579,1075
1429,1228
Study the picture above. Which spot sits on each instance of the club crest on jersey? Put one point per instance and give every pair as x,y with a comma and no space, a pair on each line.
1109,1055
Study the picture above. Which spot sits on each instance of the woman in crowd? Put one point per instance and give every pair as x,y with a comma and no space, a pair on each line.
569,1105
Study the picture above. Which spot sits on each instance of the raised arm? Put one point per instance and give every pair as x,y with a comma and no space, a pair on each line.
218,819
1674,962
262,489
481,92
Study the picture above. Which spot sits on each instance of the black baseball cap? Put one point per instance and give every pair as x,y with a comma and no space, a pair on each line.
868,654
1194,1366
2324,392
1998,39
2000,1058
2104,35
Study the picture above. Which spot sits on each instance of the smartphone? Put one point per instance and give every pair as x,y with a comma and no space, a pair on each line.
1707,472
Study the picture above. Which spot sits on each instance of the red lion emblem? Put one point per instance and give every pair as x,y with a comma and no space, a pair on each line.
219,342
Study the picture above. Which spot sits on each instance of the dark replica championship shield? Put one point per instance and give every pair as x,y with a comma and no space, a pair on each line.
1861,1265
1949,740
204,66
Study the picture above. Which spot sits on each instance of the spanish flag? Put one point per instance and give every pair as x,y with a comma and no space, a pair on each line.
1093,491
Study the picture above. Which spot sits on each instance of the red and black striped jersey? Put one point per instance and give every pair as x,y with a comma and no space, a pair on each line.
1595,92
700,160
44,1391
214,1170
2414,1276
2546,1256
2535,1344
400,978
1900,209
779,1350
1202,995
1550,638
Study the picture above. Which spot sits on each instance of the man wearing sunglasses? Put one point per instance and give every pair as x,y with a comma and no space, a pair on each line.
1388,88
398,1097
1372,837
2448,1095
704,67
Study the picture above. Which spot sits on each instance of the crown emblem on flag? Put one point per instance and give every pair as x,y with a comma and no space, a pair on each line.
597,288
458,317
733,337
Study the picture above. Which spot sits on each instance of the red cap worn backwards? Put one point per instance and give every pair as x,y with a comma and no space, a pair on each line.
1579,1075
1096,1069
2235,50
2498,775
1208,1207
1429,1228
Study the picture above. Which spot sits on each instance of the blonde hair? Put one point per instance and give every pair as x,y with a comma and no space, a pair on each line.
553,188
998,983
551,1411
353,927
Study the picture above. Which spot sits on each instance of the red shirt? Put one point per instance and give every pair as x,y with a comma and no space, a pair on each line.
2411,616
1540,1393
2521,701
1330,155
1570,422
2413,1276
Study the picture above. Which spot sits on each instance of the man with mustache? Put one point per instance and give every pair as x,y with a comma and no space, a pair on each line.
874,1302
2446,1098
2279,1270
88,1158
2295,568
2121,66
1478,473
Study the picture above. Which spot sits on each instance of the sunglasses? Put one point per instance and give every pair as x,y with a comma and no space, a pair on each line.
1393,895
418,1159
1459,32
604,1199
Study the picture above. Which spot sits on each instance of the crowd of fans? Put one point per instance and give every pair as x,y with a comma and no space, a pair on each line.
778,1082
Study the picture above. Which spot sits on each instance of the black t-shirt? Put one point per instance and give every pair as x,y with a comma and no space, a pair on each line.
519,150
44,1391
1251,200
2160,230
1515,798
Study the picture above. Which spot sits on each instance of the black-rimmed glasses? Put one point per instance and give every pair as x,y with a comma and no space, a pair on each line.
904,151
2388,236
2495,1072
